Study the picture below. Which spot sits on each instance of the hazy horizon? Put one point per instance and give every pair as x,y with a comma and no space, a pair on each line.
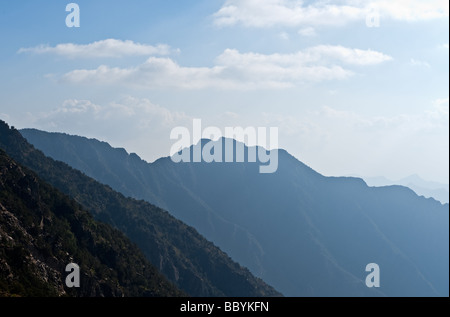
355,87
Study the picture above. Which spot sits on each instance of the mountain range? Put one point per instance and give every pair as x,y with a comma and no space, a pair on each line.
420,186
302,232
193,264
43,230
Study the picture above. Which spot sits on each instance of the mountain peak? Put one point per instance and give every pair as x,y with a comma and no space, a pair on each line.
336,225
186,258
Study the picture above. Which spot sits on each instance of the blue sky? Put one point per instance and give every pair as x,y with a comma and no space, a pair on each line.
347,98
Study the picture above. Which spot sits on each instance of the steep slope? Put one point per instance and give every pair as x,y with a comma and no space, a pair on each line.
304,233
186,258
42,230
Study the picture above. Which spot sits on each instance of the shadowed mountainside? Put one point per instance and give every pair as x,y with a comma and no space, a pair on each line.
185,257
306,234
43,230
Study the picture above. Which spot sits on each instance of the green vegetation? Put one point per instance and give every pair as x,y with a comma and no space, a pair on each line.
43,230
187,259
306,234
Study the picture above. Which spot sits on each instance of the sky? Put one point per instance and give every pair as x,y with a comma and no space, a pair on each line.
354,87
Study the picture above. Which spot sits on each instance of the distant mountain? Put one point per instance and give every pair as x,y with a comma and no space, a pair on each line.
186,258
420,186
306,234
42,230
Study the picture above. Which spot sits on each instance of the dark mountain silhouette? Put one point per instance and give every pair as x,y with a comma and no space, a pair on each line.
306,234
43,230
185,257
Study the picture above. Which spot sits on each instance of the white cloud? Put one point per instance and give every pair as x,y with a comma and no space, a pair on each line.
147,112
99,49
73,106
440,109
267,13
419,63
140,110
354,143
441,101
349,142
444,46
4,117
348,55
235,70
153,73
293,13
284,36
138,124
413,10
307,31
